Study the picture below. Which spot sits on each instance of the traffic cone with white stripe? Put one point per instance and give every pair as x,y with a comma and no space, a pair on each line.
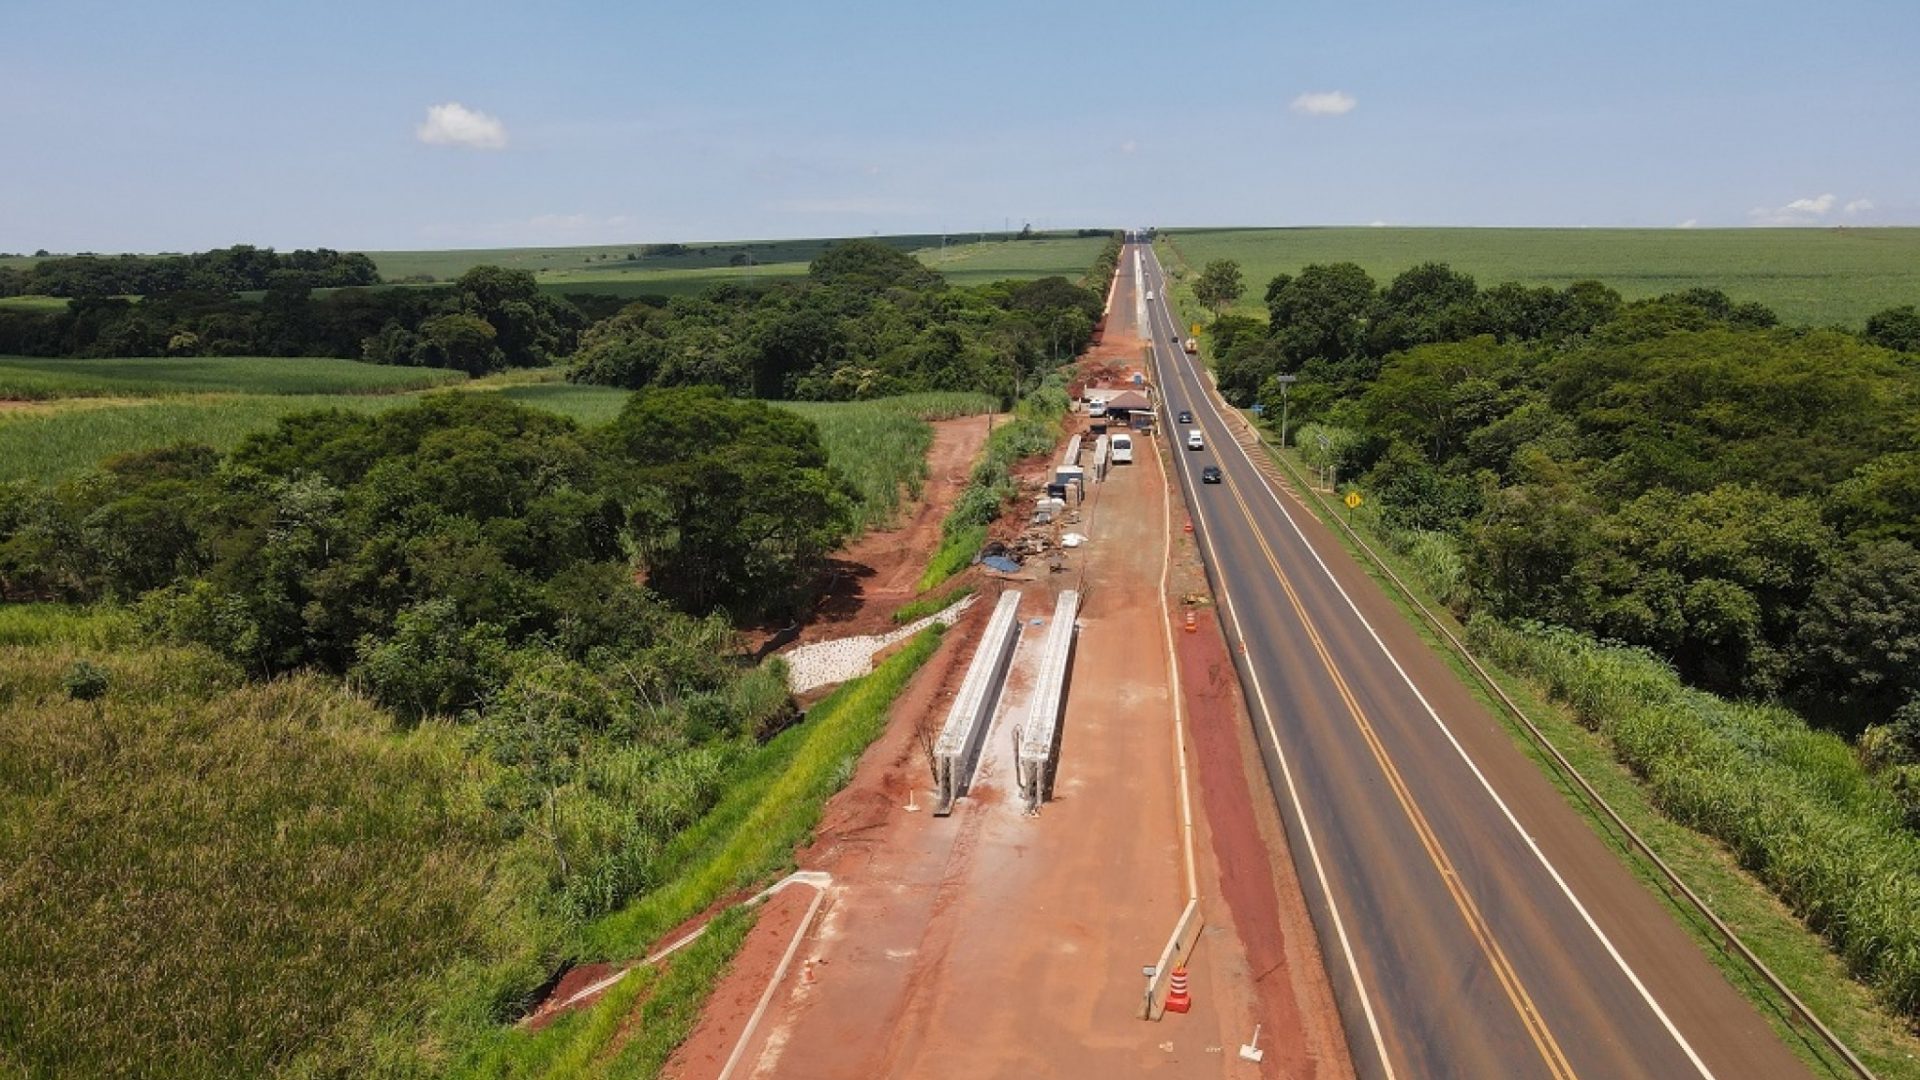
1177,999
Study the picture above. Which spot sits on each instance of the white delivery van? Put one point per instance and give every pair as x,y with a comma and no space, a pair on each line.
1149,296
1122,447
1097,407
1194,441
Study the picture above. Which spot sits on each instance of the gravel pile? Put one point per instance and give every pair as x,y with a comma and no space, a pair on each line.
824,663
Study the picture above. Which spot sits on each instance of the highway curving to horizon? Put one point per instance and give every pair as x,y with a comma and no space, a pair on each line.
1472,923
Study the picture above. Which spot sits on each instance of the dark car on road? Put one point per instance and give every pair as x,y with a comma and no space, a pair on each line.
1210,474
1186,417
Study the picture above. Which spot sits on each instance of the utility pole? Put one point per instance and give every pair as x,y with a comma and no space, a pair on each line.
1284,381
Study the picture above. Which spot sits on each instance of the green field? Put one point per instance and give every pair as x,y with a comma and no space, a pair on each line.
880,445
606,269
36,379
32,303
1809,276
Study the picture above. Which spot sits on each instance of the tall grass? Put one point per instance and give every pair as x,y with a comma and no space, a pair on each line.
32,379
47,446
773,801
208,878
1793,804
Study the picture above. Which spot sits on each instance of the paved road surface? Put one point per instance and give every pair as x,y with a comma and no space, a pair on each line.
1473,925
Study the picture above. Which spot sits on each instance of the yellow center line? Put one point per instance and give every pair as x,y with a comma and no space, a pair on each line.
1530,1016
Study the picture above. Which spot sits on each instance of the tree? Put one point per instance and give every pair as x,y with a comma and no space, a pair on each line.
1896,328
1859,636
463,342
870,266
1219,285
1321,314
731,502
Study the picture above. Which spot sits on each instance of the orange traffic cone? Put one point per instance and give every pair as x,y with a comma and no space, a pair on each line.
1177,999
1192,627
806,974
1189,526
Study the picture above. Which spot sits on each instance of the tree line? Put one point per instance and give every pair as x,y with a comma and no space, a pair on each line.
240,268
868,321
1679,473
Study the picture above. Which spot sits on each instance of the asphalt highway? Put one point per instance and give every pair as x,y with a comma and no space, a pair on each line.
1473,924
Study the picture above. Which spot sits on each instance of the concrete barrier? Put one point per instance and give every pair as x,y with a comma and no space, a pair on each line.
1186,934
1040,735
957,750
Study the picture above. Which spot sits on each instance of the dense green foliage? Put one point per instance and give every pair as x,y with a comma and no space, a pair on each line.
1794,805
224,270
24,379
1812,277
488,320
1676,472
235,880
870,321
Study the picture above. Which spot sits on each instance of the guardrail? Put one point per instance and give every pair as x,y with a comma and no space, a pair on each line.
957,750
1040,736
1589,793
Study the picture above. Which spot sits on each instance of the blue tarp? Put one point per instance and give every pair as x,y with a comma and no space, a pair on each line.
1000,563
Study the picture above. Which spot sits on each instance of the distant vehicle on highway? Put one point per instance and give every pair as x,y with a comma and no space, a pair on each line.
1185,417
1193,345
1149,294
1210,474
1194,441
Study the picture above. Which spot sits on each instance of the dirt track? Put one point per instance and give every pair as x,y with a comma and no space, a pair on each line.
991,944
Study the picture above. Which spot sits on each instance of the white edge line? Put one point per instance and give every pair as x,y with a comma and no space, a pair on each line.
1565,889
1293,793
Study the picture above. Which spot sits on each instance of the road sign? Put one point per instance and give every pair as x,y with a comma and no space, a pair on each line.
1196,330
1353,500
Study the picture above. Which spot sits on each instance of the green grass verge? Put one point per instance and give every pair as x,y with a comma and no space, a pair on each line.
914,610
99,628
955,553
35,379
1808,276
773,802
1794,953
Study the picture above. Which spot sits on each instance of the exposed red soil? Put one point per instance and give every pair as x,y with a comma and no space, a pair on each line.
1254,868
706,1051
992,944
871,577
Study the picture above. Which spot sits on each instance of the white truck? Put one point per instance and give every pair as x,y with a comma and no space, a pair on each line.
1122,447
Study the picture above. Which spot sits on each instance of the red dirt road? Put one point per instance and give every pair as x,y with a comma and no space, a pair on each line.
991,944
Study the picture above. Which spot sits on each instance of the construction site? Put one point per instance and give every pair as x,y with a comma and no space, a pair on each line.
1053,862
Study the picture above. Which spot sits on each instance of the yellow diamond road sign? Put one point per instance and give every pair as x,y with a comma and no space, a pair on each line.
1353,499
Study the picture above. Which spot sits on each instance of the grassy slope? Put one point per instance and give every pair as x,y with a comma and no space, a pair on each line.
235,880
1814,276
34,378
773,802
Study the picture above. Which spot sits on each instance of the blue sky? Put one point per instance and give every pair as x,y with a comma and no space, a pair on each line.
171,127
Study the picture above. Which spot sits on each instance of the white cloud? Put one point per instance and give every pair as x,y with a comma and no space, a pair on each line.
1690,223
1129,146
453,124
1324,103
1798,212
1376,224
1858,206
